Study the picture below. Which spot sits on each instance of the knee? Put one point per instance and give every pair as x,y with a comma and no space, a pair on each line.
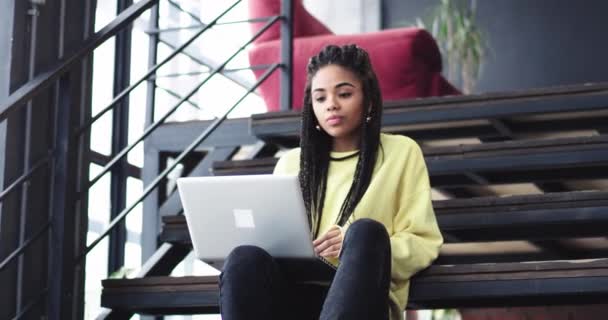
246,266
247,256
367,231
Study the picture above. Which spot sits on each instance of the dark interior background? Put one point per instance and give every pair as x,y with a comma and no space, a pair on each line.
532,44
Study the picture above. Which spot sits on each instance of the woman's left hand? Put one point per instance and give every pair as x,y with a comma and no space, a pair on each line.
329,245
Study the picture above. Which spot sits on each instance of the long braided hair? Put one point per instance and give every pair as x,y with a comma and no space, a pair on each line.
316,145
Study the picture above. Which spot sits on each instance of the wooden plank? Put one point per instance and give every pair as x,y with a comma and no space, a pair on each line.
525,161
520,202
560,91
407,116
478,285
527,217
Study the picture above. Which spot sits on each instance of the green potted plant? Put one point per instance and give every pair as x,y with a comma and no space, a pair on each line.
454,26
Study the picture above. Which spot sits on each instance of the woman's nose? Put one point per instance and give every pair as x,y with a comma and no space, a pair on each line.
332,104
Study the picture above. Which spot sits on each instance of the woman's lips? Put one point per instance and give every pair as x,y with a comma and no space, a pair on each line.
335,120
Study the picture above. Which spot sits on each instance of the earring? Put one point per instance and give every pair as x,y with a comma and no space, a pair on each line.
368,119
318,128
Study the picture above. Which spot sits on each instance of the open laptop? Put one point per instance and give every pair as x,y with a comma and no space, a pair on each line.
262,210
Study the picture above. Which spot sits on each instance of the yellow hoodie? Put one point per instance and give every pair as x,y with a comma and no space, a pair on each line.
398,196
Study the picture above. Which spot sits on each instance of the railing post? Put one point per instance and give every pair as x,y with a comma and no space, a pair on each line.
120,139
61,275
150,223
286,54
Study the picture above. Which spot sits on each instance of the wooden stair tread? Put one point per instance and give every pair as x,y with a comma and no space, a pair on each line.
438,286
509,156
475,112
544,216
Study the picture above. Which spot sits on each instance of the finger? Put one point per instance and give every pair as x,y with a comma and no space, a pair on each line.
321,239
329,235
334,247
323,246
318,241
332,232
328,243
330,253
333,254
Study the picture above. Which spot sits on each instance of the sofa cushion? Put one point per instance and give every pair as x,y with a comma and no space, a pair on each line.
406,61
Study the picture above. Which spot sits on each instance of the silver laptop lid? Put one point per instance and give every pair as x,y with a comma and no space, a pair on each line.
262,210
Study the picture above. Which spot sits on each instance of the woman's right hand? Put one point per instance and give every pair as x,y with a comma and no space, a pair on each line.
329,245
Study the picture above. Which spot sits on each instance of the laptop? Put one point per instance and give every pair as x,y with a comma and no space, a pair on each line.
267,211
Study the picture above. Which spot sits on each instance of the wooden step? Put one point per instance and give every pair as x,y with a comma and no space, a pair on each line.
440,286
529,217
489,163
537,161
578,107
162,295
488,116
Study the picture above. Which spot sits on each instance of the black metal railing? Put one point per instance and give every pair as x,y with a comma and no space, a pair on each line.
286,75
178,160
19,99
28,91
55,76
156,124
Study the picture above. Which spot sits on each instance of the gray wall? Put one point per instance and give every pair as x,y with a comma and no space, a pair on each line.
533,43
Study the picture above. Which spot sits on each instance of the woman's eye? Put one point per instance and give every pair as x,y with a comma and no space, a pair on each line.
320,99
345,94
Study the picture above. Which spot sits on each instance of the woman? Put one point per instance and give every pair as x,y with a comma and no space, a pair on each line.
369,204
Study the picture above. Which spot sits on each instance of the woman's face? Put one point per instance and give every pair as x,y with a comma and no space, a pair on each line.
337,101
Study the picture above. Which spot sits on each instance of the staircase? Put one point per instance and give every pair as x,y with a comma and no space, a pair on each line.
520,191
520,179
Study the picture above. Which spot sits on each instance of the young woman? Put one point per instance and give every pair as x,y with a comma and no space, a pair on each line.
369,203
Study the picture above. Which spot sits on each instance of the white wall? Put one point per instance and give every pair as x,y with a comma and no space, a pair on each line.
347,16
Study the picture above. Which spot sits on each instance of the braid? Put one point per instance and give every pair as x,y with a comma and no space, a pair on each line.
316,145
314,162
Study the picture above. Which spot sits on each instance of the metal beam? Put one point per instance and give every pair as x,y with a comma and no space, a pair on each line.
286,54
15,74
62,235
43,50
120,139
150,220
150,216
70,169
101,160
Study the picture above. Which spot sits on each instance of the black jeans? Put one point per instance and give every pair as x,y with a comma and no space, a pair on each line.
253,285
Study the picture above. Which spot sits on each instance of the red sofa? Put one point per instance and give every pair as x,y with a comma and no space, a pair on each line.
406,60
